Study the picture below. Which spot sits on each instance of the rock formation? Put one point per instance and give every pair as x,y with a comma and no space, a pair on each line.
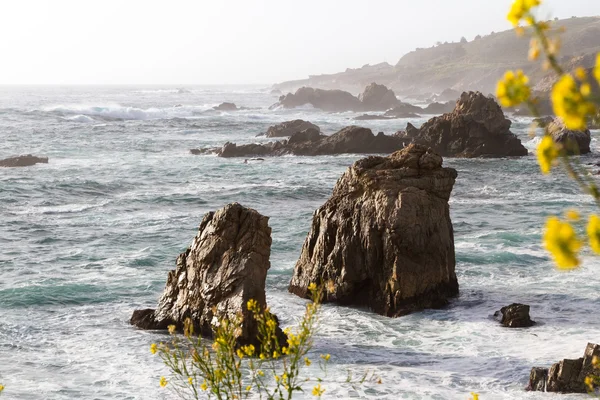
225,266
575,142
403,109
326,100
439,108
384,239
226,107
23,161
352,139
566,376
288,128
378,98
371,117
476,128
514,316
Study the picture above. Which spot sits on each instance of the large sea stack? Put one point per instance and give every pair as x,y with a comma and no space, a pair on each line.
384,239
476,128
225,266
378,98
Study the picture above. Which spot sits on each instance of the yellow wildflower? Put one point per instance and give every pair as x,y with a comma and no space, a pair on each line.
570,104
312,287
163,381
204,386
1,388
596,361
597,68
581,74
153,348
277,378
520,9
307,361
262,356
260,372
276,354
252,305
248,388
547,153
561,241
325,357
513,90
572,215
318,391
171,329
475,396
249,349
240,353
593,232
190,380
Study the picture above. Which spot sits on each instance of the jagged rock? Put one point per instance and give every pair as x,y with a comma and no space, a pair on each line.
307,135
575,142
290,127
566,376
225,266
23,161
515,316
327,100
439,108
352,139
226,107
378,98
476,128
384,239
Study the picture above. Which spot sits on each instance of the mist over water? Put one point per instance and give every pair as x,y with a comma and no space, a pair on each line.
91,236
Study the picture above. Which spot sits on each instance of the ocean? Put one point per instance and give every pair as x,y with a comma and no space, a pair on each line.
91,236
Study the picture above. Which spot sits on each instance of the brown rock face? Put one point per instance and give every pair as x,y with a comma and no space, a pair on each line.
384,239
575,142
288,128
225,266
515,316
327,100
476,128
566,376
23,161
378,98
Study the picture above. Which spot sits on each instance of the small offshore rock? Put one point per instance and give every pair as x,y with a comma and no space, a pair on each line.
575,142
515,316
23,161
288,128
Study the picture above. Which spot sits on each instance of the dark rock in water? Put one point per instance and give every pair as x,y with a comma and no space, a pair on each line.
378,98
288,128
307,135
514,316
575,142
327,100
567,376
23,161
439,108
226,107
352,139
403,109
543,121
225,266
369,117
384,239
476,128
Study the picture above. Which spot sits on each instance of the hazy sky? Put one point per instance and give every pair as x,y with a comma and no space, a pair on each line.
231,41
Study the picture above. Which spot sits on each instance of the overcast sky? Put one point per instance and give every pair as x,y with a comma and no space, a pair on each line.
231,41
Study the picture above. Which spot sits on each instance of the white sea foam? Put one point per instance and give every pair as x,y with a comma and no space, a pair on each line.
89,113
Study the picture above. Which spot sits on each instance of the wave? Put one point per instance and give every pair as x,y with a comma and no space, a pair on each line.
115,112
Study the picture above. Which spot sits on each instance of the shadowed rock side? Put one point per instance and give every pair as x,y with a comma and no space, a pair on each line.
384,239
378,98
225,266
352,139
566,376
23,161
514,316
575,142
288,128
476,128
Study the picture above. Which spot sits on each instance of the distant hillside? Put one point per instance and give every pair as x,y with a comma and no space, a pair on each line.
475,65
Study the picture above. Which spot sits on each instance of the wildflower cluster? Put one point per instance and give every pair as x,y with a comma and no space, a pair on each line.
229,370
513,90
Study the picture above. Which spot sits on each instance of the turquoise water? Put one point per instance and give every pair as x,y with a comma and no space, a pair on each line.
90,236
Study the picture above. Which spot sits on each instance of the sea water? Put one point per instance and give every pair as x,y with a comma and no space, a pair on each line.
91,236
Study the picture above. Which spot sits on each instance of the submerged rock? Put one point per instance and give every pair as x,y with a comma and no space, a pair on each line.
326,100
352,139
23,161
403,109
369,117
514,316
225,266
567,376
476,128
575,142
288,128
378,98
384,239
